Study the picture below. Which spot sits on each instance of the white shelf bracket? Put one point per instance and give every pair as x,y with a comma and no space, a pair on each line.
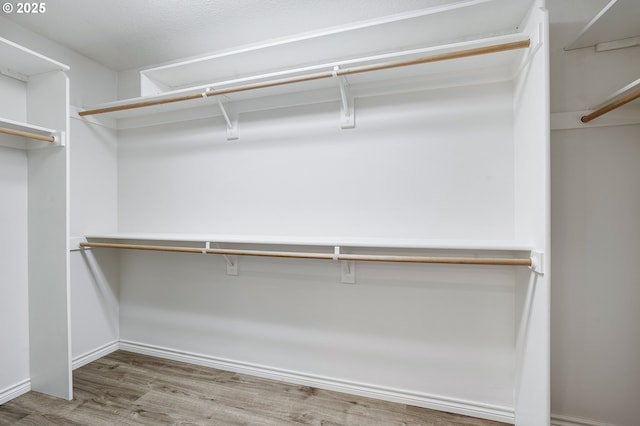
232,262
537,262
535,44
230,117
60,139
347,104
348,272
347,268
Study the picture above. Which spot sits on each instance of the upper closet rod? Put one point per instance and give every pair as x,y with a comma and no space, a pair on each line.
611,106
320,75
325,256
27,135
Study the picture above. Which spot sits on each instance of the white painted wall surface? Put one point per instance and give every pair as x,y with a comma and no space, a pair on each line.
15,105
596,296
94,278
438,331
595,234
14,314
415,166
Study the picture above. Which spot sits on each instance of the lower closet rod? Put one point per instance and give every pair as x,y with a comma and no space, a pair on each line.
611,106
325,256
27,135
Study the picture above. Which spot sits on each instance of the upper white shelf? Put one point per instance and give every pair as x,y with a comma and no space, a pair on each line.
472,245
427,27
437,30
618,20
464,70
20,62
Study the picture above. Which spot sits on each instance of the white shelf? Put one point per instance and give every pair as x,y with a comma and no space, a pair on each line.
26,127
25,62
406,36
20,142
471,245
487,68
620,93
426,27
618,20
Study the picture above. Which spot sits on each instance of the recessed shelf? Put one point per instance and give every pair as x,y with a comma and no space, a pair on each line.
618,20
25,62
431,26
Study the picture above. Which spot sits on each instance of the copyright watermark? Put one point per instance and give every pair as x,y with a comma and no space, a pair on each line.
24,8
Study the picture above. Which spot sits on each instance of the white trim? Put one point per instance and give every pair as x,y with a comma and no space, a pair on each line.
14,391
558,420
95,354
434,402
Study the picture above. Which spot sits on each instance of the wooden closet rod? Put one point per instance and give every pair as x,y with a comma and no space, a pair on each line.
324,256
317,76
27,135
611,106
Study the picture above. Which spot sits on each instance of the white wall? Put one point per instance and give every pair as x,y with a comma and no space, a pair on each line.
94,197
596,296
415,166
595,235
14,314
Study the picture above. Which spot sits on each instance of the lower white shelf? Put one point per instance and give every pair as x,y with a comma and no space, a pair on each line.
332,249
475,245
34,136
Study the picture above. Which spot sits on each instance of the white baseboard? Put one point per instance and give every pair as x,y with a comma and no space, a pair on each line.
558,420
95,354
14,391
434,402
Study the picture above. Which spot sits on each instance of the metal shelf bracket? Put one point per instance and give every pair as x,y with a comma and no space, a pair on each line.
347,268
230,117
347,103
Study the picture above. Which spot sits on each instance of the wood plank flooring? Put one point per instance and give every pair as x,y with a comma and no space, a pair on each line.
124,388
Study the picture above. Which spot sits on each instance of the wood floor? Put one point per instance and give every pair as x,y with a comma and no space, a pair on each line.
130,389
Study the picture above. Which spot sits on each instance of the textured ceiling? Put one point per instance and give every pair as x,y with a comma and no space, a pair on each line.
126,34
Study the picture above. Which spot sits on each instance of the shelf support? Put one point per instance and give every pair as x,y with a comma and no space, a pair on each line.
347,267
537,262
59,139
230,117
535,42
232,261
347,105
